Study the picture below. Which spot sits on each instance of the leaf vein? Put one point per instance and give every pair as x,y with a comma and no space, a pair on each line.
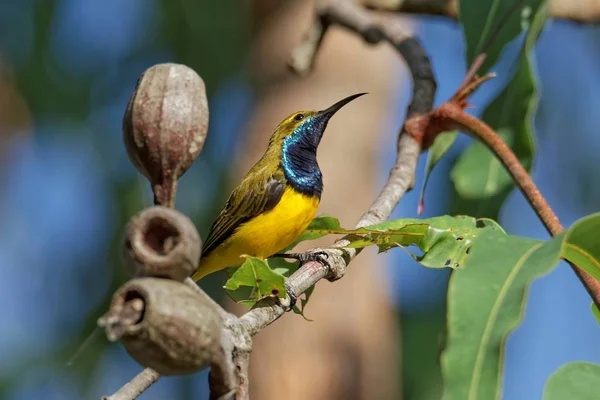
487,332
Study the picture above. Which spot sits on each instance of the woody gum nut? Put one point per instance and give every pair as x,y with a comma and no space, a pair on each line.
161,242
164,325
165,126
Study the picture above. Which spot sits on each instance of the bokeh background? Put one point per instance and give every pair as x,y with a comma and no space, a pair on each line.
67,69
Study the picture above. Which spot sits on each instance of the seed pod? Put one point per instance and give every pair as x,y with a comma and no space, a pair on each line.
165,126
161,242
164,325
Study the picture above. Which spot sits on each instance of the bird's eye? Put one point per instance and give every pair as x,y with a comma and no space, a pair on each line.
298,117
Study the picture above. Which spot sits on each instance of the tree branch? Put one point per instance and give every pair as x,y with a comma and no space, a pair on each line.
583,11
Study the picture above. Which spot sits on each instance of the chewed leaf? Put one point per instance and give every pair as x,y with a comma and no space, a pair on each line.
489,223
254,280
408,235
445,241
444,248
440,146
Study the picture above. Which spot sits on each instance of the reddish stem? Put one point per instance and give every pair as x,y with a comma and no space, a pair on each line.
452,114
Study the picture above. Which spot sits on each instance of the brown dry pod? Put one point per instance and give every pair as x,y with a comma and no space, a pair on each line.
161,242
165,126
164,325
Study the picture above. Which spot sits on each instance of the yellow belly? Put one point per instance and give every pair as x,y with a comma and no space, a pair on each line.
265,234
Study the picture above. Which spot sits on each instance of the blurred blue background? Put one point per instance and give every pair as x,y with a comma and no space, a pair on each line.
67,69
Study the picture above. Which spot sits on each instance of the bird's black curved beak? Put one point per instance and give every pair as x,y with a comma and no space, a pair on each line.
328,113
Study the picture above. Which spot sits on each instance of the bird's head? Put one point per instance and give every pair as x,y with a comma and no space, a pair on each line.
305,128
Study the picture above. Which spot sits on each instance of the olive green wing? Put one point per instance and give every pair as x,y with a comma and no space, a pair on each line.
253,196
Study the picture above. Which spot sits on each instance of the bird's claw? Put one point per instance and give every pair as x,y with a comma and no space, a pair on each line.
320,256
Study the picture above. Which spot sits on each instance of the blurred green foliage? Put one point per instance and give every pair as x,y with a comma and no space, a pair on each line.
212,38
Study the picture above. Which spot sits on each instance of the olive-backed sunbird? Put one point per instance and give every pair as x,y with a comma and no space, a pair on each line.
276,200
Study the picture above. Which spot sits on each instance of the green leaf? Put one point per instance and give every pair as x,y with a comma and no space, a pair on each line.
254,280
286,268
596,312
440,146
581,245
485,303
480,19
486,299
575,380
481,183
445,241
406,233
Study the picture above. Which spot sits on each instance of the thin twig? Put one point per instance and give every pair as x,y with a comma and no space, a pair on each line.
136,386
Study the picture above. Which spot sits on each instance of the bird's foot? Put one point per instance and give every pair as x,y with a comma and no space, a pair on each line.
320,256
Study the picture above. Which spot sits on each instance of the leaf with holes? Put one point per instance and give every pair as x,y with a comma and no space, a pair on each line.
254,280
440,146
481,183
485,303
575,380
445,241
286,268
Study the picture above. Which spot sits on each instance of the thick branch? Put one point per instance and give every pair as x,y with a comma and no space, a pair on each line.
587,11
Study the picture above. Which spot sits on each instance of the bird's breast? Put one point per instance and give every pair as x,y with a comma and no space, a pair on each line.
275,229
265,234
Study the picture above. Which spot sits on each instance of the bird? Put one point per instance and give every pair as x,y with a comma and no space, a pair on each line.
276,200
